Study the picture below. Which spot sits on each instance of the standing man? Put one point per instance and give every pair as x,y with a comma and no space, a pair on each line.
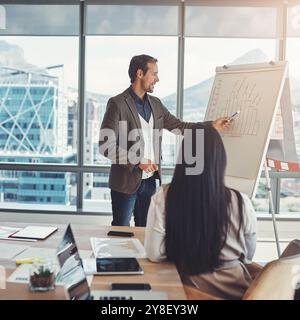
133,184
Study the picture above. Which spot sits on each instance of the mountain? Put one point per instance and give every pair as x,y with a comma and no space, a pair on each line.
195,97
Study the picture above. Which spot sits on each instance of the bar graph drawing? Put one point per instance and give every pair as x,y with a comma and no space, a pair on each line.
245,97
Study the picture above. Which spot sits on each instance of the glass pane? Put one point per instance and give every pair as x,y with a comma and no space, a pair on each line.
40,20
107,76
166,178
234,22
293,57
200,67
261,200
38,99
293,25
290,195
133,20
35,190
96,194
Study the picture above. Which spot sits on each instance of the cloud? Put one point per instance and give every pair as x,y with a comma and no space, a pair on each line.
250,22
37,19
11,55
132,20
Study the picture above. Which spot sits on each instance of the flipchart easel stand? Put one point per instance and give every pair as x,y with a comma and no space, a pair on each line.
268,189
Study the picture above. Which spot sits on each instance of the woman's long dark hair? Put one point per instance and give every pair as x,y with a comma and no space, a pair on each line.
197,215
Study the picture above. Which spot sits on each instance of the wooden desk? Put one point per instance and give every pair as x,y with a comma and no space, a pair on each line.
161,276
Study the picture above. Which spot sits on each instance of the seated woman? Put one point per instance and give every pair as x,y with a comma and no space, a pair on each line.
205,228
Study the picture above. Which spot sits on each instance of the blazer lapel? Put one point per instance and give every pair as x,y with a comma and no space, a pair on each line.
156,144
130,102
154,112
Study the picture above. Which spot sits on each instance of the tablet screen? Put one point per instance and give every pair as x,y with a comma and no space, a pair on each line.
118,265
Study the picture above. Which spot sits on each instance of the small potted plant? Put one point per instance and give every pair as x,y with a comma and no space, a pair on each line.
42,277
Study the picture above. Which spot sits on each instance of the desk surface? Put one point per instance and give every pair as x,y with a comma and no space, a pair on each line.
162,276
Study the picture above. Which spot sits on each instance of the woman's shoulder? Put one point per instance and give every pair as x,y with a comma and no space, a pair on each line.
248,209
245,198
160,194
161,191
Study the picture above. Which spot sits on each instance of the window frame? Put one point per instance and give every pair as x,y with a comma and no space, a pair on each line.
80,168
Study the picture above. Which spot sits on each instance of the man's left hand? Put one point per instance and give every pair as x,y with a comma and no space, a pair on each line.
222,123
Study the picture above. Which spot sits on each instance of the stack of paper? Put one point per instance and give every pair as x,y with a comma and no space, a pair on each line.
21,275
117,248
6,232
29,233
35,232
9,251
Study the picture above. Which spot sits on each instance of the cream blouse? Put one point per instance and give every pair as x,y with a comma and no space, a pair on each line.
234,249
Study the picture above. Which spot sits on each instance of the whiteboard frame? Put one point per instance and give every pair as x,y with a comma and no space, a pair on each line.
249,186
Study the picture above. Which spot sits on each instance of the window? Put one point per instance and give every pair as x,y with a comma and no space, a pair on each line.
231,21
41,19
96,194
46,81
202,55
113,70
245,34
38,82
145,29
290,195
22,189
132,19
40,85
293,57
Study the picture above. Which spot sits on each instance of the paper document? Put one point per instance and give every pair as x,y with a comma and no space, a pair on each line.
117,248
46,254
21,275
9,251
35,232
6,232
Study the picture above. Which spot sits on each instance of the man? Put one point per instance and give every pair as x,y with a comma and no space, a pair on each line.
132,183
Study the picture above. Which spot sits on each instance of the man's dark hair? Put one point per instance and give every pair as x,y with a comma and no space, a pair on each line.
139,62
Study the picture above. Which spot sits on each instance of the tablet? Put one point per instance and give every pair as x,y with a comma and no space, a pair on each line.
118,266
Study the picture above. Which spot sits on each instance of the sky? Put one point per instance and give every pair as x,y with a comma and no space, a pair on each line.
107,58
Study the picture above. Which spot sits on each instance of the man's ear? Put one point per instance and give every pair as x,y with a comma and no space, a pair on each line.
139,73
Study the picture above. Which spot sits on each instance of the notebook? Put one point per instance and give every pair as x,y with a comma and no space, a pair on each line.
34,232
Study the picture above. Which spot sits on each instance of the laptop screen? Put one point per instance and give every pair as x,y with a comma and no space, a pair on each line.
72,272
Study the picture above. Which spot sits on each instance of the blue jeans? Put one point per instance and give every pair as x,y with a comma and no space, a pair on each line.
138,202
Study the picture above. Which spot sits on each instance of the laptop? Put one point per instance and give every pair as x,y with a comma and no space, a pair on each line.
75,281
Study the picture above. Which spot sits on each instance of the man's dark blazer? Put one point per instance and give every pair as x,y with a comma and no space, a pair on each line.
126,177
